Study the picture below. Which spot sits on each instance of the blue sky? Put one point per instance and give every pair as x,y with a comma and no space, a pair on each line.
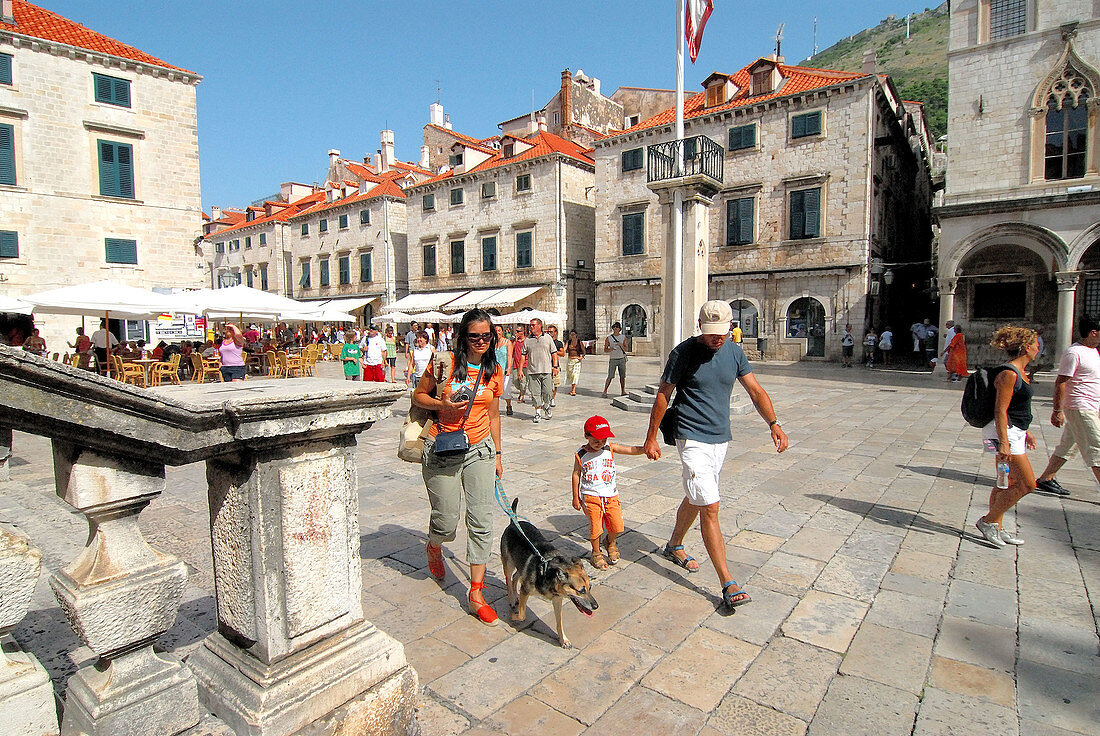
285,81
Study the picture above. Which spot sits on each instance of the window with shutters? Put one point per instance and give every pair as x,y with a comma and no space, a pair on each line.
488,190
305,228
489,253
523,183
343,221
234,245
304,281
121,251
364,217
364,268
632,159
429,259
458,256
524,254
805,214
248,278
7,155
5,69
324,272
116,169
634,234
248,243
263,276
111,90
322,226
457,197
344,266
219,247
428,202
739,221
806,124
1007,18
455,159
742,137
9,244
263,238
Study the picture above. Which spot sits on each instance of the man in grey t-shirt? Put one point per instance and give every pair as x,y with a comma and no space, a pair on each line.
703,370
614,345
542,365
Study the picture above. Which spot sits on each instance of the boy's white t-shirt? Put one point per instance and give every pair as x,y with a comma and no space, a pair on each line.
597,472
1082,364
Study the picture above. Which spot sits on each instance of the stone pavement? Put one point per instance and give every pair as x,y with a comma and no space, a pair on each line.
876,607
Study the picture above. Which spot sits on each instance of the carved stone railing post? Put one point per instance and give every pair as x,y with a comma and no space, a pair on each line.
119,595
27,706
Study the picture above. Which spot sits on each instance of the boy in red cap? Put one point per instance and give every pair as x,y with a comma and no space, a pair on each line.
594,479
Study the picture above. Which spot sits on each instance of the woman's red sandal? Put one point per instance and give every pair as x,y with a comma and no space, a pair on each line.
435,561
483,611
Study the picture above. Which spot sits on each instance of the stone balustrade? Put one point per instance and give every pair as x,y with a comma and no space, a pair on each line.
292,646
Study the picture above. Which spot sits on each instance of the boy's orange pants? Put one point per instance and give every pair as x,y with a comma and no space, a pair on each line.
603,513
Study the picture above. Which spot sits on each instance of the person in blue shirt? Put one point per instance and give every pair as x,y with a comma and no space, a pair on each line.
703,370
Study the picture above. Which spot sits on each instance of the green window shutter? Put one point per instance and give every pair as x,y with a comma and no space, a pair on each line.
798,126
489,254
633,234
304,281
812,208
305,228
263,238
742,137
248,277
263,277
798,217
343,221
111,90
9,244
322,226
120,250
344,266
745,218
364,217
104,90
324,272
364,268
7,154
524,256
108,170
458,256
806,124
122,92
813,123
5,69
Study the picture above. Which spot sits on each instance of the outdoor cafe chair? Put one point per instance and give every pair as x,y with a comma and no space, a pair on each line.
129,372
169,369
204,368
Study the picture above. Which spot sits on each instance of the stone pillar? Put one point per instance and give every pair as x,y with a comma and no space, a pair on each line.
27,706
119,595
1067,291
292,643
5,453
693,288
947,302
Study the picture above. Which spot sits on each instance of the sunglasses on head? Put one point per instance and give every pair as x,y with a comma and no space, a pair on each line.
479,336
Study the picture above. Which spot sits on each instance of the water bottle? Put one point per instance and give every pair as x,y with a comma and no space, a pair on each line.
1002,474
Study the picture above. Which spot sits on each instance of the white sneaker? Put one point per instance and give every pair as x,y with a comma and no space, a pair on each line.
537,416
553,402
991,533
1008,538
549,414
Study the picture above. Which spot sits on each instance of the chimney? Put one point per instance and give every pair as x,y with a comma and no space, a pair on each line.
387,151
447,122
333,154
424,157
870,61
215,212
378,161
435,114
6,13
566,103
540,122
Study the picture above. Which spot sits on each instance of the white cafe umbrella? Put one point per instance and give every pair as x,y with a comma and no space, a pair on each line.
515,318
394,317
320,315
432,316
14,306
242,301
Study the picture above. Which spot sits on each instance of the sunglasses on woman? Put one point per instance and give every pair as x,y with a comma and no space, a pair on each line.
479,336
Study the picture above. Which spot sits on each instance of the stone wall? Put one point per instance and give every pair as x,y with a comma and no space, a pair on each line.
56,207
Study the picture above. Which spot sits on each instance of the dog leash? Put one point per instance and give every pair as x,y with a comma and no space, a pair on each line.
502,501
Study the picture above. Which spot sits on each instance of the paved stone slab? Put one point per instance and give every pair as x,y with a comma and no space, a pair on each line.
645,711
738,716
911,613
650,623
817,544
993,647
788,573
854,577
982,603
526,716
888,656
789,676
431,658
758,621
854,706
950,714
825,620
1058,645
977,682
436,718
702,670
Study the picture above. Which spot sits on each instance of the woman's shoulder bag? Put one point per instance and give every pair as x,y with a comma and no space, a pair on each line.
456,442
418,423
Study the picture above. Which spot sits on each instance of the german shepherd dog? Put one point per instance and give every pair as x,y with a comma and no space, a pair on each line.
558,578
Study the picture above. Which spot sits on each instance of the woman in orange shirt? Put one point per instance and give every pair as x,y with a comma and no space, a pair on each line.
474,372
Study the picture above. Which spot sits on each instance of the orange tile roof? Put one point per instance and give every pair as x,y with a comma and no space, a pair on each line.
31,20
796,80
388,187
543,144
415,168
286,211
484,144
363,171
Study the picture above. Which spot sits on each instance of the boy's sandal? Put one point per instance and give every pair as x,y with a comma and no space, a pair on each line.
684,563
435,561
598,561
483,611
734,598
612,553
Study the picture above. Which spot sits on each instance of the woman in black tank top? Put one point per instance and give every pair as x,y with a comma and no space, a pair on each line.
1012,415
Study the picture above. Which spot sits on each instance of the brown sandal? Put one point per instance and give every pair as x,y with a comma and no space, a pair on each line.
599,562
612,553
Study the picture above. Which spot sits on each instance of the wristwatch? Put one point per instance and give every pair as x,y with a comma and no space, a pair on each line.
774,423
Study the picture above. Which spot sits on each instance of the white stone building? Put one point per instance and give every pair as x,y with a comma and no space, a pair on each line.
512,222
802,181
1021,213
99,163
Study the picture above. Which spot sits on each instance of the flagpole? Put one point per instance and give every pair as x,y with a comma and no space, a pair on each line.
678,196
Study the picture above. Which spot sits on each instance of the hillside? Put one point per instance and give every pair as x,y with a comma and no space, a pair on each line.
918,65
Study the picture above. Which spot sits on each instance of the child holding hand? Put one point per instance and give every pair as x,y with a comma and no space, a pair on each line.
594,487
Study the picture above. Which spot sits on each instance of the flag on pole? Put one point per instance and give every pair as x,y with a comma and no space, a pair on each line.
696,14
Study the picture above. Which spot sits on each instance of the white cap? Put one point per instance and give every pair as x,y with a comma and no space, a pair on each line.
715,317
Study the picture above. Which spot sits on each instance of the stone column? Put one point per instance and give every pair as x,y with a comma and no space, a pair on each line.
947,302
693,288
292,643
27,706
5,453
119,595
1067,291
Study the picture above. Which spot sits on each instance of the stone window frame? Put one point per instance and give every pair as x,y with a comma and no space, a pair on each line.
1068,76
976,280
638,153
632,208
802,183
823,133
530,232
985,16
461,197
461,245
744,191
433,245
489,189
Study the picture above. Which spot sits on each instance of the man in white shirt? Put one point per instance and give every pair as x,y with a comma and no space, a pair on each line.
99,344
1076,406
374,355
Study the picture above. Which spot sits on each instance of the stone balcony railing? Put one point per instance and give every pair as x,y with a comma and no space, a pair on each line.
292,646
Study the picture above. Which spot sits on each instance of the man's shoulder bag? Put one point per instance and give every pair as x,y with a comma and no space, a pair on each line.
418,423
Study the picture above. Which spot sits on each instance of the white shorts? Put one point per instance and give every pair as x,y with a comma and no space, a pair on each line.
1017,438
1080,431
702,463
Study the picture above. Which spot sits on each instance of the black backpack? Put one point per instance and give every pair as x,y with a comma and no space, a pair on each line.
979,395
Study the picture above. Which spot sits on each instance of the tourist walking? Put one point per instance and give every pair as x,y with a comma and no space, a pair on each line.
391,352
886,344
954,358
517,385
919,331
504,357
847,346
1008,433
420,357
702,371
870,341
1076,406
615,345
559,353
231,352
374,355
574,351
350,356
468,402
542,365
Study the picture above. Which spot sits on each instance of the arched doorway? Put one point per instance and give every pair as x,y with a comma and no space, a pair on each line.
634,321
746,315
806,319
